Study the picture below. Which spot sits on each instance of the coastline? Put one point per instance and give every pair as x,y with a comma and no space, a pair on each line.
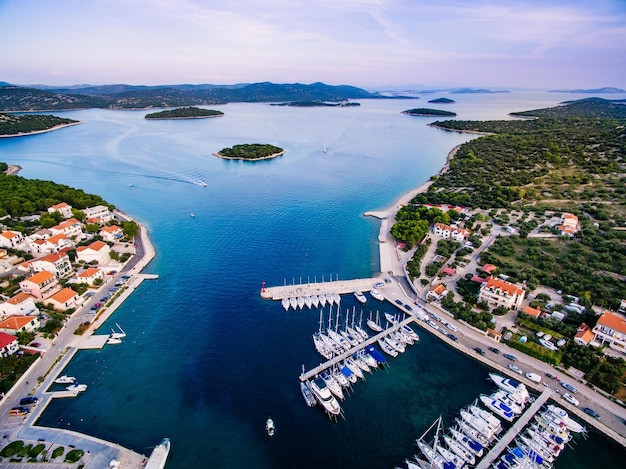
35,132
180,118
268,157
476,132
13,169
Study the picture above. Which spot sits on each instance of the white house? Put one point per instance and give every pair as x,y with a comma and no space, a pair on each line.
11,239
89,276
97,251
20,303
64,300
64,209
611,330
52,244
100,212
496,292
70,228
57,263
451,232
111,233
8,344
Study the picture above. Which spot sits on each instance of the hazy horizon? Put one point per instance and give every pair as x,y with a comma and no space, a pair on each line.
372,44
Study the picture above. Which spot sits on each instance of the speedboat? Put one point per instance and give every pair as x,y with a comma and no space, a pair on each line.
77,387
285,303
376,294
498,407
307,394
360,296
65,380
269,426
325,397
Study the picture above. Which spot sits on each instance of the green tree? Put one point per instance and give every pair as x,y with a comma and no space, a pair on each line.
130,229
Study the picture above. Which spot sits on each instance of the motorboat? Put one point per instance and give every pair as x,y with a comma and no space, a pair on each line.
459,450
492,420
376,294
472,433
571,424
65,380
410,332
331,384
398,346
307,394
285,303
360,296
498,407
158,457
509,400
325,397
375,353
479,424
388,349
468,443
269,427
114,340
510,385
77,387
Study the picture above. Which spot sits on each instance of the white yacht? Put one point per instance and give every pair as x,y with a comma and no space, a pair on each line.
467,442
293,302
492,420
114,340
510,385
331,384
572,425
499,407
285,303
325,397
308,301
354,368
360,296
65,380
479,424
322,299
376,294
511,400
300,302
391,319
315,301
458,449
388,349
77,387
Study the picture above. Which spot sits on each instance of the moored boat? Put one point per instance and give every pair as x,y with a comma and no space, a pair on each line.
492,420
285,303
391,319
77,387
331,384
467,442
388,349
572,425
307,394
325,397
360,296
354,368
459,450
498,407
374,352
65,380
374,325
376,294
510,385
269,427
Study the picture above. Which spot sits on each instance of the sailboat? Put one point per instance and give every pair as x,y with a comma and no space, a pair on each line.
374,325
324,149
117,335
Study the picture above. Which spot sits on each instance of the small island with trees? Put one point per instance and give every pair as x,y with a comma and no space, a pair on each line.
250,152
190,112
442,101
28,124
422,111
317,103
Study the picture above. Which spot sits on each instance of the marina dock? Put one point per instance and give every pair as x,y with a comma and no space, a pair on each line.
315,288
372,340
515,430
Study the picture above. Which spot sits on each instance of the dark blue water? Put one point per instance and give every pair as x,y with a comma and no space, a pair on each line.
206,361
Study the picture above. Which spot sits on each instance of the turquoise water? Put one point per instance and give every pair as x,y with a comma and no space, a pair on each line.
206,361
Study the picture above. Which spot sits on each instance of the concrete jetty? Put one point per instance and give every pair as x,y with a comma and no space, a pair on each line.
372,340
315,288
515,430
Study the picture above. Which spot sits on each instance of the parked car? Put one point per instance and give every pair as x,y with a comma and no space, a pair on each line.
452,327
509,357
571,399
550,375
96,306
408,307
516,369
479,350
376,285
398,302
453,337
593,413
569,387
494,350
125,277
29,400
18,411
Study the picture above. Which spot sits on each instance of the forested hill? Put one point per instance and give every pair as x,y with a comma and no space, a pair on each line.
15,98
589,107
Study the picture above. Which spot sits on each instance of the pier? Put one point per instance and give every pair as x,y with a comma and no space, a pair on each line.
515,430
315,288
372,340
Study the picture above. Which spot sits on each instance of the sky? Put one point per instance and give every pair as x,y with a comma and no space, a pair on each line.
374,44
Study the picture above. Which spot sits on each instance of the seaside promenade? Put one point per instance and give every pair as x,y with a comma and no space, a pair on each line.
98,453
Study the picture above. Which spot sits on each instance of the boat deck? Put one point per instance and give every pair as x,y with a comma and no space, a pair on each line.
515,430
372,340
315,288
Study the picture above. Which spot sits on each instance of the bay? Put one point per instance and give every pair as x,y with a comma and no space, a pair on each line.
206,361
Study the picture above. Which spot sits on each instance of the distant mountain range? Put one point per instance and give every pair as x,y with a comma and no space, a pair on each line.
42,98
606,89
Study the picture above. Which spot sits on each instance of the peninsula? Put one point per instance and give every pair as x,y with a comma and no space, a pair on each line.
250,152
422,111
190,112
29,124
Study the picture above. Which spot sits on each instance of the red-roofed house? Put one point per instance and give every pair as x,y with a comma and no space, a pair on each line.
53,244
437,292
97,251
64,209
477,279
449,271
89,276
8,344
56,263
451,232
532,312
11,239
489,268
569,224
21,303
39,284
496,292
64,300
611,330
584,335
70,228
111,233
14,324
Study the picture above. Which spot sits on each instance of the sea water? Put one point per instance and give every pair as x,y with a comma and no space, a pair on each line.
206,361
